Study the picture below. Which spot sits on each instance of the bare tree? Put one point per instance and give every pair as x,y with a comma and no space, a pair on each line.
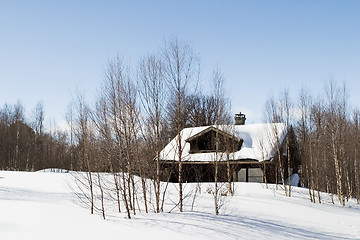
286,112
153,96
114,93
70,121
263,152
356,119
274,115
180,70
18,120
101,120
221,118
337,125
305,139
83,132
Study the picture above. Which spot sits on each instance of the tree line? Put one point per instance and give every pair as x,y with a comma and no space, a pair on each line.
327,134
25,145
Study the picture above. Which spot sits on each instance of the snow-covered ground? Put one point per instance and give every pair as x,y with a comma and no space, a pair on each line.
41,205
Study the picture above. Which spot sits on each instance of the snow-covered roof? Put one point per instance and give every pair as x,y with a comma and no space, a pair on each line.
259,143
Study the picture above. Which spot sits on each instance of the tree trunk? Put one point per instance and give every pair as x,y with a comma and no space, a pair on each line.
117,189
338,171
228,168
288,162
180,186
180,171
357,176
157,185
125,196
281,166
216,190
102,195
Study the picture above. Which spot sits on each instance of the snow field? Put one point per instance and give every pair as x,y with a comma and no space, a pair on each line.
41,205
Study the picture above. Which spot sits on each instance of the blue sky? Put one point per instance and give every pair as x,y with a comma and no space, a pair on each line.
48,49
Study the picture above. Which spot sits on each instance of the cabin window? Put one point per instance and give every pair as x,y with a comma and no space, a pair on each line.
250,175
213,141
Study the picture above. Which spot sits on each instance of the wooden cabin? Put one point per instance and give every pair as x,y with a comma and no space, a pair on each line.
250,152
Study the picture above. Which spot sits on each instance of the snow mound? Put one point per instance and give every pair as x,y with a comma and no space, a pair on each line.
295,180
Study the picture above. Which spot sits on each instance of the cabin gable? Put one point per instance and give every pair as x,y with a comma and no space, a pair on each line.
214,140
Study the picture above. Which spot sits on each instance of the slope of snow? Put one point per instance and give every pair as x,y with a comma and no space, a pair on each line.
41,205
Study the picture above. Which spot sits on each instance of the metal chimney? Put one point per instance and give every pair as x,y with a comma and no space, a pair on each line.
240,119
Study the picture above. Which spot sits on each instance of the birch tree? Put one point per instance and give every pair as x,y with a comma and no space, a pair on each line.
273,114
83,134
337,105
221,118
356,119
181,71
114,93
153,97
